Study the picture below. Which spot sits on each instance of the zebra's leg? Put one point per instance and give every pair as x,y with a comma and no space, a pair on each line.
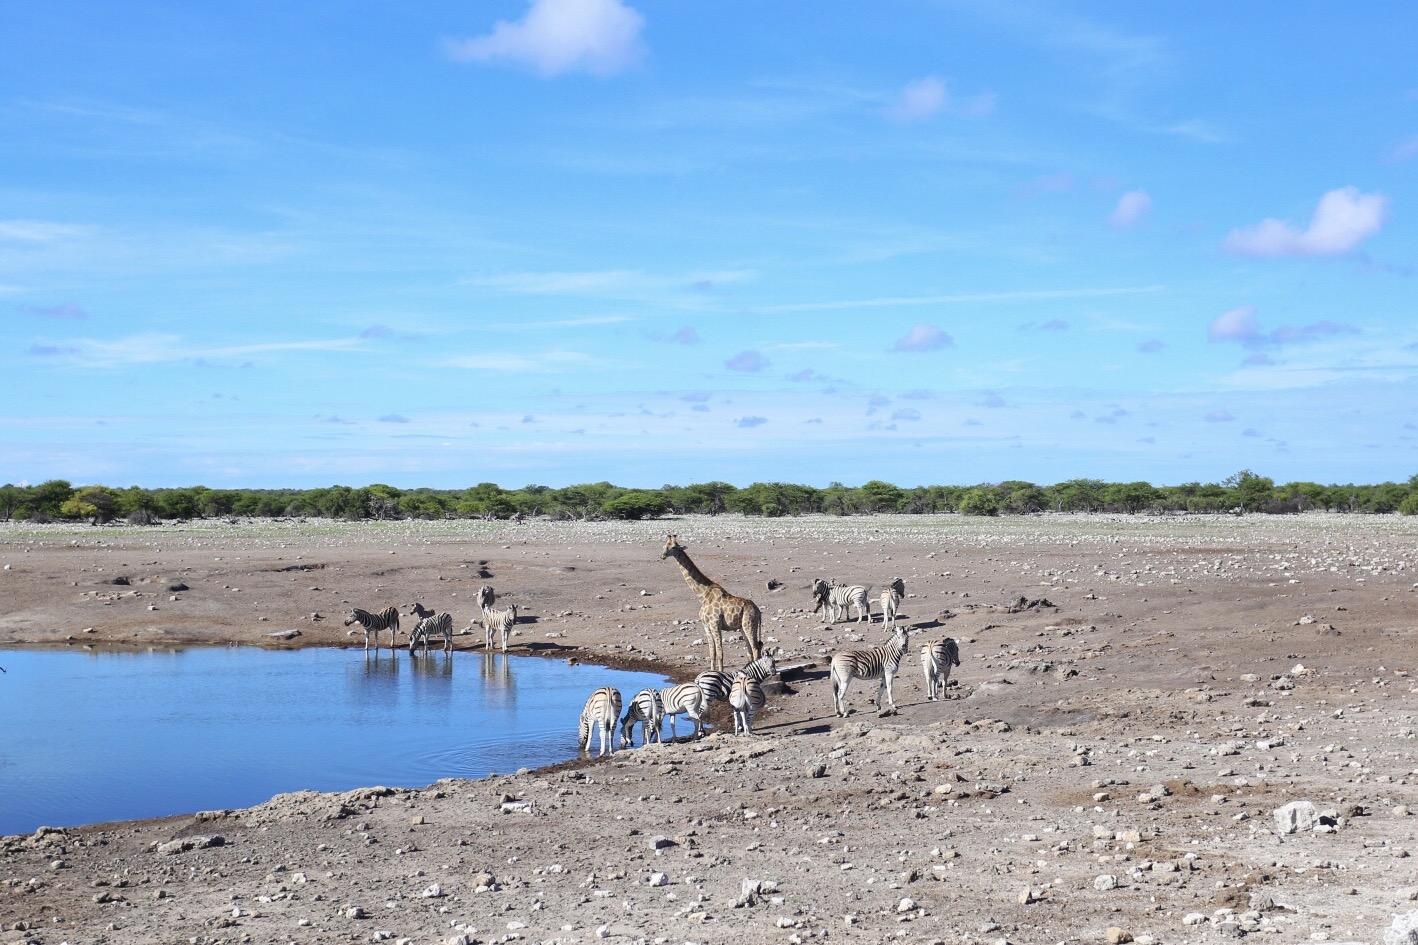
886,678
839,693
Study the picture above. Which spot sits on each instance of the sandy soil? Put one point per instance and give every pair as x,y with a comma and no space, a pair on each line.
1107,767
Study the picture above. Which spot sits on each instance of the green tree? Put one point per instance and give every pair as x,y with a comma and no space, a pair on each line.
1131,497
46,498
981,500
878,496
636,504
13,500
1253,493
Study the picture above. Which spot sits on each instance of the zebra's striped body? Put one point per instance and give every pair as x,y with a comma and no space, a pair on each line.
891,599
388,618
602,711
879,662
836,601
745,699
500,621
429,627
716,685
684,699
936,660
646,709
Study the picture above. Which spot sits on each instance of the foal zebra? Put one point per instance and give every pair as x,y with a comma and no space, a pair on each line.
602,711
936,660
684,699
373,623
430,626
891,599
501,621
835,601
878,662
716,684
645,707
745,698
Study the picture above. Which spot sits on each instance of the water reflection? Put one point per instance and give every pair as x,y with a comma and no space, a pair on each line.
115,736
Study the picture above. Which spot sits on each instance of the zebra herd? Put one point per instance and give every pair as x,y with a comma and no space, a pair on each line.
743,691
836,601
433,626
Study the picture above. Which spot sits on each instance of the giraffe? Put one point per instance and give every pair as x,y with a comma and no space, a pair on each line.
718,609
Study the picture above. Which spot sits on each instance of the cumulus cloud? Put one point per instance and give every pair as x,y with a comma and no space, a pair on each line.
1132,207
685,336
1241,324
750,362
906,413
993,400
601,37
920,99
695,397
66,310
1219,416
1250,431
750,421
1151,346
1259,359
924,337
1343,219
377,331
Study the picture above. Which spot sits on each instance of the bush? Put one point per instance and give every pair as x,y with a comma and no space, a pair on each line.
1409,506
979,501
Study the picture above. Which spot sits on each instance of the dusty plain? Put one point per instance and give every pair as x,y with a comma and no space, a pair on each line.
1137,697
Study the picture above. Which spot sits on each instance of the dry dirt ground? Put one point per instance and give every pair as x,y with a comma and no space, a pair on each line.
1107,767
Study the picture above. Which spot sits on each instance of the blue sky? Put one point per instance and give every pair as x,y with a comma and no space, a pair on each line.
269,244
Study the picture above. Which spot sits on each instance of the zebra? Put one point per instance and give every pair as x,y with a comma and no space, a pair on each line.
891,599
647,709
501,621
373,623
835,601
602,711
878,662
745,698
441,625
486,597
936,660
684,699
420,611
716,684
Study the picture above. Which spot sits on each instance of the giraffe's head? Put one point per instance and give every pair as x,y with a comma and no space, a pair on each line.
671,546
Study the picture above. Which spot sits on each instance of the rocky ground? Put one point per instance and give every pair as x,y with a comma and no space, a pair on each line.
1164,729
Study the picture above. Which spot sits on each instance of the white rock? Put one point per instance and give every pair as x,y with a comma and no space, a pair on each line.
1105,882
1403,931
1297,816
1194,918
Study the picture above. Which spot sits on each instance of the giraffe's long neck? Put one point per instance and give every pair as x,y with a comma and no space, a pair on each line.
697,580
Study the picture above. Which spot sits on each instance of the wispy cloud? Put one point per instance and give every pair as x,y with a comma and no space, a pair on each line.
600,37
749,422
514,363
1151,346
1402,151
684,336
924,337
166,348
1130,210
393,418
38,231
906,413
919,99
964,298
67,310
1219,416
1342,220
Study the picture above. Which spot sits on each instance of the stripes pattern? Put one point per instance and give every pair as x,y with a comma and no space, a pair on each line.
388,618
684,699
716,684
601,712
878,662
836,601
645,708
936,660
745,699
429,627
891,599
499,621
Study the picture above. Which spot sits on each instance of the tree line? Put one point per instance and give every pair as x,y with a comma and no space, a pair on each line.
1246,491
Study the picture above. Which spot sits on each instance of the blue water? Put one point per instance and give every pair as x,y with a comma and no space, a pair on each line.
92,737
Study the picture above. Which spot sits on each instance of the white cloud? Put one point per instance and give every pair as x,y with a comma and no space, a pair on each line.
1239,324
920,99
1132,207
1343,219
601,37
38,231
924,337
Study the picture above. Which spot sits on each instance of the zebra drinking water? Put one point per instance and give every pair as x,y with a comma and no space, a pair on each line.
602,711
431,626
684,699
645,708
936,660
374,623
878,662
